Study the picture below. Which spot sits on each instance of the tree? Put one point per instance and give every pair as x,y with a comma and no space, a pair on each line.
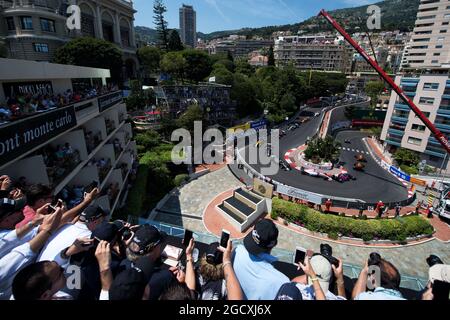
91,52
322,150
373,90
406,157
224,63
159,8
271,57
223,76
175,41
242,66
147,140
150,58
174,64
198,64
243,92
349,112
187,119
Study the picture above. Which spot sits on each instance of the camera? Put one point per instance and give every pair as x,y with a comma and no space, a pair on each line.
433,260
123,230
327,252
374,259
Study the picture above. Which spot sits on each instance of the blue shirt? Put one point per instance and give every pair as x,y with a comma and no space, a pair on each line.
380,294
258,277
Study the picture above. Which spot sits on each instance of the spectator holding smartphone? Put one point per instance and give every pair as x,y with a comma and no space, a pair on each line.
25,254
387,289
37,196
252,263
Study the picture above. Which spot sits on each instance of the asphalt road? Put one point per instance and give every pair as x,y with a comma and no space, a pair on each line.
371,185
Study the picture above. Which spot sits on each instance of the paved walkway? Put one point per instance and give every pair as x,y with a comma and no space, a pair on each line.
191,200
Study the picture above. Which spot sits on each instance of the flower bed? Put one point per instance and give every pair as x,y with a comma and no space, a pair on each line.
336,226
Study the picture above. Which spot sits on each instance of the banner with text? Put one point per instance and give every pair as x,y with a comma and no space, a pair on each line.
14,89
399,173
299,194
105,102
22,136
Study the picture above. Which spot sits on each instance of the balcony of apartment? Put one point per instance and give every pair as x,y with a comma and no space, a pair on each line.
400,116
442,122
444,108
435,150
401,107
394,139
51,6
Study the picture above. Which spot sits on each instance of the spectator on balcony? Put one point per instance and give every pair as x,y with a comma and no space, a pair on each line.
387,289
324,272
252,263
37,196
148,241
90,218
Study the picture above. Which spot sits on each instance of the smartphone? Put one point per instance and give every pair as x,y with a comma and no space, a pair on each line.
300,254
51,209
441,290
187,237
224,238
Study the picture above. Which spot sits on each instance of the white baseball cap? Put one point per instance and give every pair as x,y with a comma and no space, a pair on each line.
323,270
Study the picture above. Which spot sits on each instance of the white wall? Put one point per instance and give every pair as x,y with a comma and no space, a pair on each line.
32,168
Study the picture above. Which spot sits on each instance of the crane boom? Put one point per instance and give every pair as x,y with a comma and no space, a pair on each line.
438,134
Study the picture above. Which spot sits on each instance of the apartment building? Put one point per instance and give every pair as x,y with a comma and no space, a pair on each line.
241,48
34,29
402,128
324,53
72,146
188,26
430,41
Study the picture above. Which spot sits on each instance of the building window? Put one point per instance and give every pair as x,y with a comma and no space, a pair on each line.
10,23
441,39
47,25
426,114
434,61
40,47
26,23
439,46
447,16
415,141
426,100
418,127
431,86
436,54
443,31
445,23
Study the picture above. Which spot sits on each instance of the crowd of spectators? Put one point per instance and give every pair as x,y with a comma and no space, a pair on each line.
60,160
51,252
19,106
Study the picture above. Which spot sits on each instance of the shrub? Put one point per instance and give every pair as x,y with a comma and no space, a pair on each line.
179,179
274,215
386,229
333,235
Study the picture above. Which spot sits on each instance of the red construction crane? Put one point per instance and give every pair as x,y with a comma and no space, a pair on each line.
438,134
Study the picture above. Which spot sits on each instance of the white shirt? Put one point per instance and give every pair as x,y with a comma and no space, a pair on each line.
10,240
63,239
380,294
308,293
12,263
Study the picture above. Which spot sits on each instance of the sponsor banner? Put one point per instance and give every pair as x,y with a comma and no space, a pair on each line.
418,182
299,194
244,127
263,188
83,106
109,100
30,87
261,124
20,137
399,173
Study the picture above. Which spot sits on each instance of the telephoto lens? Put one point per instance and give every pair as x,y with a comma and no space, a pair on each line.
374,259
326,250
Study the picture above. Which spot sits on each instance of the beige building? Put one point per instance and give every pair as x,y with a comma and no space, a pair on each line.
34,29
430,42
402,128
313,52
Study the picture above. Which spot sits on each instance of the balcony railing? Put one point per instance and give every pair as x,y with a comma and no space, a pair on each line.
53,6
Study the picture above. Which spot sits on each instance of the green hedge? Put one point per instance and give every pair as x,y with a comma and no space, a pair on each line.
373,229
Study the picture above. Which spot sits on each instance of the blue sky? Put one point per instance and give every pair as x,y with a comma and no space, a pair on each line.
217,15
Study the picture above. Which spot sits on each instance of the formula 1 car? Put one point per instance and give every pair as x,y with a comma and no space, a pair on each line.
343,177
